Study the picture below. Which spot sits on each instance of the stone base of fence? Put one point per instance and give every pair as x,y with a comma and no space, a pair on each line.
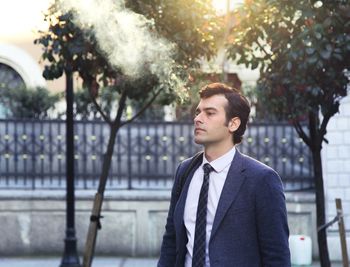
33,222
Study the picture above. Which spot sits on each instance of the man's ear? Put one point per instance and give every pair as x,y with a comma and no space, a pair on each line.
234,124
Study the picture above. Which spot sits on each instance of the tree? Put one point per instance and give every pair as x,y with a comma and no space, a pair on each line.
302,49
108,45
30,103
86,109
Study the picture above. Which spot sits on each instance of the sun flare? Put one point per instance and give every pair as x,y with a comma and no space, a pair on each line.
222,6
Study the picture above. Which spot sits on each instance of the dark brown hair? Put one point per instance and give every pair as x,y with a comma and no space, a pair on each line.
238,105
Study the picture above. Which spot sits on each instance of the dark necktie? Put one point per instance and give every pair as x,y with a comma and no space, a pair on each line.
198,259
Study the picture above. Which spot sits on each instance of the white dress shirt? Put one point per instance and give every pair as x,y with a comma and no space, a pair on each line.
216,183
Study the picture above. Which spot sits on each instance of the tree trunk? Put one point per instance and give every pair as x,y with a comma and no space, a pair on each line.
320,209
316,139
96,211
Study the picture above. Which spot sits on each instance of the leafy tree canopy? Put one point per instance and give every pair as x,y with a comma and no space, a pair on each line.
191,25
302,49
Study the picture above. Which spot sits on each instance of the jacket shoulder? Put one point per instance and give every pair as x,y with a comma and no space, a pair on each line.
253,167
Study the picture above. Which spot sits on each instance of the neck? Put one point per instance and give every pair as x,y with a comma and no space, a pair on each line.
214,151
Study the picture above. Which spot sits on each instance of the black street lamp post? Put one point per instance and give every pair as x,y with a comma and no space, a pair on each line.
70,256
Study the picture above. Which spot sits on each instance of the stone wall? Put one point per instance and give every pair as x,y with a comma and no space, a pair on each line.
33,222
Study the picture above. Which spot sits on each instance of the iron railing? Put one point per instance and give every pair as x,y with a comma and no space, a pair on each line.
32,153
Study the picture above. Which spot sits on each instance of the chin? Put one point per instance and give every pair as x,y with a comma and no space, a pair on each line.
198,141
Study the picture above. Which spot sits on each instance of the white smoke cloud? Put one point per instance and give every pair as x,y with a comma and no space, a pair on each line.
125,37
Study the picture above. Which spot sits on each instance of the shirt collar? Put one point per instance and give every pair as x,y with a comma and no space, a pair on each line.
222,162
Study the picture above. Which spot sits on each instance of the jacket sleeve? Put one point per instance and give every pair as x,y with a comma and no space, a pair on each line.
272,222
168,248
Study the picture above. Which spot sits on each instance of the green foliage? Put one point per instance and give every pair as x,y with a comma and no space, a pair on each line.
28,103
302,49
191,25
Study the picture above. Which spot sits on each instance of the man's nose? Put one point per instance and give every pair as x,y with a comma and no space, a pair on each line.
197,119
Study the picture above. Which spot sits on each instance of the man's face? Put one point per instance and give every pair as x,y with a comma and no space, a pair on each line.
210,122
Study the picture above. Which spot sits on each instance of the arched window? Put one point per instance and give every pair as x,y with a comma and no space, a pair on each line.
9,78
18,69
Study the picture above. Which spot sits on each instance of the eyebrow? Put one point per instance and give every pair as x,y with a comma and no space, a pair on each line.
207,109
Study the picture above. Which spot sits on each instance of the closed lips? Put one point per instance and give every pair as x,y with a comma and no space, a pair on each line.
199,129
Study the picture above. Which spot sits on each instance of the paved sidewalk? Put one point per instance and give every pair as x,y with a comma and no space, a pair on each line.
98,262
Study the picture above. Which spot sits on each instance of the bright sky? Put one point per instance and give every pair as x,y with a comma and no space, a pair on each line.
221,5
20,19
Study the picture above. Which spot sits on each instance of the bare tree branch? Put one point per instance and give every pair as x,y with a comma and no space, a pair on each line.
143,108
302,133
121,106
326,118
99,109
334,108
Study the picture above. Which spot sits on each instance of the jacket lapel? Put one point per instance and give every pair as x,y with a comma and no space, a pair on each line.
234,180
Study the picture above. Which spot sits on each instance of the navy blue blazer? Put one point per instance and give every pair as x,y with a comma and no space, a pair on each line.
250,226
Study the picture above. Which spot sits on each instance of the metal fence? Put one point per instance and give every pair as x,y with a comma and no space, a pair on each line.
32,153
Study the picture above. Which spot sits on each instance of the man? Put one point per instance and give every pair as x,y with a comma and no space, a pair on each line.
231,210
